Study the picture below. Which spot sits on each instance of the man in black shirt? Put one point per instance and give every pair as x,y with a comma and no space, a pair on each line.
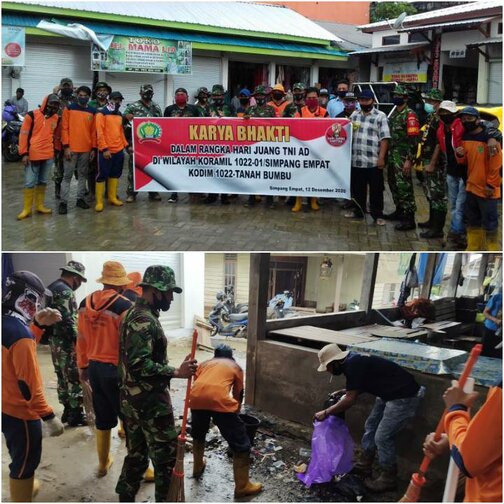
397,399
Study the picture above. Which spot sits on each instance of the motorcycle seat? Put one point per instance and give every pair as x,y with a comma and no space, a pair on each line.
236,317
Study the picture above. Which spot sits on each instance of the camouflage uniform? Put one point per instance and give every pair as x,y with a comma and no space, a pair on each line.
145,399
204,110
62,337
298,86
260,110
139,109
404,130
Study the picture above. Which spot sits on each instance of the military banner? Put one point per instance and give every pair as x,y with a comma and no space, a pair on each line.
145,55
295,157
13,46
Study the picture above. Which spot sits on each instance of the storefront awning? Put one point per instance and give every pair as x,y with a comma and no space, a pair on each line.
392,48
199,40
496,40
451,24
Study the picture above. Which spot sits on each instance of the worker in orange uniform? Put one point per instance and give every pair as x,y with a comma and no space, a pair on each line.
282,106
133,290
78,136
217,394
476,444
111,145
36,147
23,401
311,109
100,315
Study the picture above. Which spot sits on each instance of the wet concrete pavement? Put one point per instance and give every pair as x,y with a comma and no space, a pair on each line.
190,225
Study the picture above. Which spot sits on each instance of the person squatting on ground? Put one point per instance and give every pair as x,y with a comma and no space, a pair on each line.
398,397
111,145
24,406
403,146
371,137
100,316
483,191
78,138
145,107
62,338
217,394
475,444
144,387
433,168
36,148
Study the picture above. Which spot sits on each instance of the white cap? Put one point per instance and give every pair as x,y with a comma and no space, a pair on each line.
448,105
328,354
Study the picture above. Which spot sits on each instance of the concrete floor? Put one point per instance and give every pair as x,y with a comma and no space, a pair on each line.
191,225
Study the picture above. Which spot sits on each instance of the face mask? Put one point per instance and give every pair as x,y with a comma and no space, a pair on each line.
162,304
298,97
470,125
398,101
102,95
202,99
260,101
429,108
148,96
448,119
51,111
349,109
117,106
66,92
277,96
341,94
83,100
336,369
244,101
219,102
311,103
366,108
180,100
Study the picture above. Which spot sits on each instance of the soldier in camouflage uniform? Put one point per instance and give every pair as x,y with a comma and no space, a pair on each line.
144,107
404,131
202,104
218,108
62,337
298,94
434,170
65,91
144,380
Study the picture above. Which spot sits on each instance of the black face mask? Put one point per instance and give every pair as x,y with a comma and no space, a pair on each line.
202,99
244,101
161,304
49,111
447,119
219,103
342,94
148,96
299,97
366,108
260,101
117,106
470,125
277,96
336,369
66,92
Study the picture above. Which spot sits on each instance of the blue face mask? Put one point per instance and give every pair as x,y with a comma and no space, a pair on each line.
83,100
429,108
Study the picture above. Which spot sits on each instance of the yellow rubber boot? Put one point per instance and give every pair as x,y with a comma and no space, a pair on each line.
492,243
103,449
243,486
475,238
27,203
39,200
21,490
112,184
36,487
99,193
298,205
199,462
149,475
314,204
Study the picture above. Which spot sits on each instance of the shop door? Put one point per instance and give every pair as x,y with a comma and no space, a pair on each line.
288,273
495,83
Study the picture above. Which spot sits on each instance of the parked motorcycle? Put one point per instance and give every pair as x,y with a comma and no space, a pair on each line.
229,304
11,127
235,327
281,306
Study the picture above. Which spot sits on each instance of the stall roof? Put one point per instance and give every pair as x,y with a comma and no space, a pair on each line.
351,38
496,40
458,11
199,40
392,48
245,18
454,24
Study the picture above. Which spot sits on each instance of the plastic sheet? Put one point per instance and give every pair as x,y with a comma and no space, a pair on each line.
332,451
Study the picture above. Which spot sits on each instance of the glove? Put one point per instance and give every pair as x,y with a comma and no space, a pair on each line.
52,427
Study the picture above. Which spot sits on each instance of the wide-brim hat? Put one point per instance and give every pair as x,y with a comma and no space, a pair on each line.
330,353
449,106
113,273
278,87
76,268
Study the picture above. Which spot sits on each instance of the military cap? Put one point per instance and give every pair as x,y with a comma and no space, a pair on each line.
217,89
66,80
102,84
298,85
469,111
76,268
161,278
200,90
259,90
433,94
400,90
116,94
146,87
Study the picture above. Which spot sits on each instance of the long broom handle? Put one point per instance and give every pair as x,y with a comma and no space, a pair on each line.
473,357
189,382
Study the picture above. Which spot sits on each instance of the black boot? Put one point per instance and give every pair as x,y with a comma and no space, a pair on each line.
437,225
64,416
386,480
364,463
57,190
407,223
154,196
395,215
62,209
76,417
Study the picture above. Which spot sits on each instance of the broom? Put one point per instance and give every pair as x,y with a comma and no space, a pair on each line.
418,479
176,490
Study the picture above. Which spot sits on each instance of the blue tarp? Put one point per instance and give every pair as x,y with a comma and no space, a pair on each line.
440,266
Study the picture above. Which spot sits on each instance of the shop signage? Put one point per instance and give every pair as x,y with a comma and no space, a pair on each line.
409,72
294,157
143,55
457,53
13,46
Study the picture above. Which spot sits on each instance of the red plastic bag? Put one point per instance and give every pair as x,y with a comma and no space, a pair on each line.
332,451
